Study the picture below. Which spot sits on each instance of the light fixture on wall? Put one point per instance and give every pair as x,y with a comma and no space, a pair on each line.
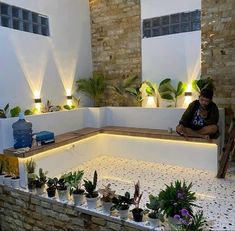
38,102
151,102
69,100
69,97
188,93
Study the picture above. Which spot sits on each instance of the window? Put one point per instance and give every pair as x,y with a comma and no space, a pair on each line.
23,20
172,24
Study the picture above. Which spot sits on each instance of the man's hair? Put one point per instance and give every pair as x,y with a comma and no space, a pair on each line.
207,93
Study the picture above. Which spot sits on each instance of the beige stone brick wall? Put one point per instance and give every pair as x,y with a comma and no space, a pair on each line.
24,211
116,41
218,51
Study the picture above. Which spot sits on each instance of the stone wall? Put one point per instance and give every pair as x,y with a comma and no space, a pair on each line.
116,42
24,211
218,51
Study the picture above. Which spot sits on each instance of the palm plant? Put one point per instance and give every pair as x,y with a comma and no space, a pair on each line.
176,197
93,87
200,84
168,92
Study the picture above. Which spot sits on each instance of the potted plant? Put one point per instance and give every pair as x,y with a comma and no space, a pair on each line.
30,168
3,112
122,204
40,181
137,211
91,193
107,196
15,179
51,184
8,175
154,216
202,83
2,169
149,89
73,182
62,188
176,197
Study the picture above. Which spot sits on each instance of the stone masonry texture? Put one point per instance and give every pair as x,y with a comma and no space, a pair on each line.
116,43
22,211
218,51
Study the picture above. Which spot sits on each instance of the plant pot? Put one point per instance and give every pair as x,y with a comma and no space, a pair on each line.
1,178
173,221
41,190
78,199
137,214
154,222
15,182
31,185
123,213
51,192
7,180
107,207
91,202
63,195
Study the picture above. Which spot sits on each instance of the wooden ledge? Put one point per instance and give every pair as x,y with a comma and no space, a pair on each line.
70,137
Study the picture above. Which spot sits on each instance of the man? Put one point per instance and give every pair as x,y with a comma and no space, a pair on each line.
200,118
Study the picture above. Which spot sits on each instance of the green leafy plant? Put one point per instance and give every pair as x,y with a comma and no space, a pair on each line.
154,206
3,111
73,182
41,179
28,112
168,92
90,187
67,107
122,202
200,84
176,197
93,87
51,183
15,111
107,193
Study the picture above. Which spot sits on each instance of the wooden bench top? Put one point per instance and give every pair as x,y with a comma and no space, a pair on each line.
70,137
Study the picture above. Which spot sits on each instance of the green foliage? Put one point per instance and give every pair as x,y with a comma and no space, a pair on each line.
91,186
73,180
30,167
168,92
28,112
107,193
93,87
52,182
15,111
41,179
122,202
137,194
154,206
200,84
4,111
176,197
151,88
67,107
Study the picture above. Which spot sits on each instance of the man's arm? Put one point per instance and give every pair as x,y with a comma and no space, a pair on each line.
214,116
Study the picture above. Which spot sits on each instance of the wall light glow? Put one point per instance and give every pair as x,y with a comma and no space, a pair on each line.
151,102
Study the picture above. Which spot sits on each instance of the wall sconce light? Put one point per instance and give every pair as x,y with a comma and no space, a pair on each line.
38,100
69,97
188,93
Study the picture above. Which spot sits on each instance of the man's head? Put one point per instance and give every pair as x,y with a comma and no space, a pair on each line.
205,97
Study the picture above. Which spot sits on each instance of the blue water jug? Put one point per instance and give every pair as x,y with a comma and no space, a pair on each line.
22,133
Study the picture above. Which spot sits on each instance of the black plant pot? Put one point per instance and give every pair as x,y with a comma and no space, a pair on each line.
51,192
137,214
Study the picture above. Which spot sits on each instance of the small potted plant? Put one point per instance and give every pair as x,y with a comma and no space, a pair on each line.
15,180
62,188
51,184
176,197
154,216
137,211
8,175
73,182
2,168
40,181
30,168
107,197
122,204
91,193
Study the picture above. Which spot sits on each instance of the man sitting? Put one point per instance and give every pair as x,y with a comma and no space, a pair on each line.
200,118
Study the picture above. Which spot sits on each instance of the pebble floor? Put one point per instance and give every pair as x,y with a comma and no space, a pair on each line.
215,196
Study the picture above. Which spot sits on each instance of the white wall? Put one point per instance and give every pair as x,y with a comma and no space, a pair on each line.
175,56
32,62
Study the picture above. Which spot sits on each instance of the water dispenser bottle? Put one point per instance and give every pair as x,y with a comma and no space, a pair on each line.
22,133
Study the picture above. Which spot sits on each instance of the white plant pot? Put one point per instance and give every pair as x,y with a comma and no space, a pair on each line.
63,195
78,199
40,191
107,207
91,202
1,178
154,222
7,181
123,214
15,183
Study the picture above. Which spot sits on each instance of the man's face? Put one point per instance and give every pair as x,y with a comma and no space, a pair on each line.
204,101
